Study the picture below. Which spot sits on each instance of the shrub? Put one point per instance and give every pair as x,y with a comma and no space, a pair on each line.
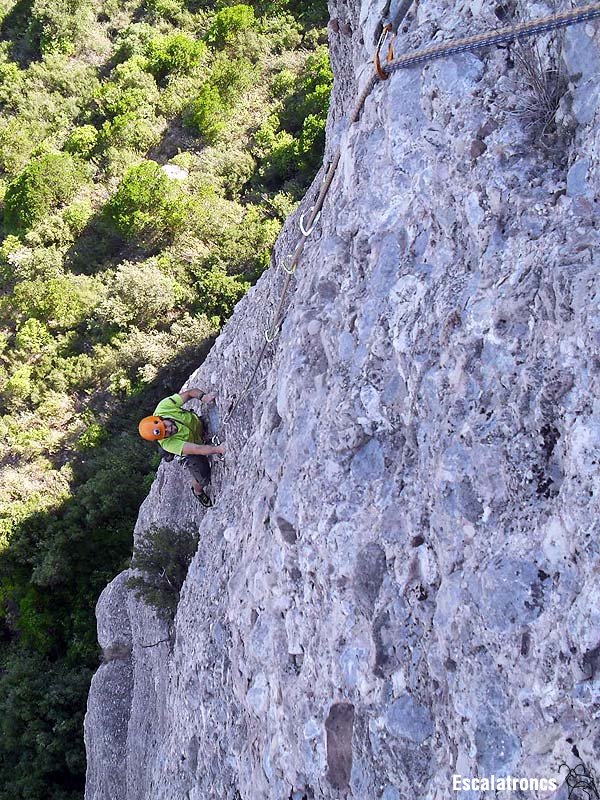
44,184
56,26
130,132
18,387
277,150
17,143
61,302
25,263
283,205
33,337
51,231
82,141
254,241
283,32
289,145
191,332
94,435
218,292
283,83
235,170
310,94
539,88
147,203
177,54
164,9
228,23
311,13
134,40
142,353
140,294
231,76
204,115
208,114
11,82
77,216
75,372
130,89
163,557
311,143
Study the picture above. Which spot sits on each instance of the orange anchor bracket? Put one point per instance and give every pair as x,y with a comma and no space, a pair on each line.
387,31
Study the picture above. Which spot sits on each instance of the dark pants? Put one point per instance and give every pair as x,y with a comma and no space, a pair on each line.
199,467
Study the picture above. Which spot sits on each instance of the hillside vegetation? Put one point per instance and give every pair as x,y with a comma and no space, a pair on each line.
149,153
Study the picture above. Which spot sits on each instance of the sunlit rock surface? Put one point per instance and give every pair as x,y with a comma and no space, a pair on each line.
399,579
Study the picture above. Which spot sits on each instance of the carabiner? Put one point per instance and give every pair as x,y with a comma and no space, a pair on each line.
291,269
376,58
312,227
270,337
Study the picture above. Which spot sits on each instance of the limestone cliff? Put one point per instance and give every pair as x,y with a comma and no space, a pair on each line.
399,579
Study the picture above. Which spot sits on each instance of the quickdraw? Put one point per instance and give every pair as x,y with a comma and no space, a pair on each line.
387,31
316,218
292,265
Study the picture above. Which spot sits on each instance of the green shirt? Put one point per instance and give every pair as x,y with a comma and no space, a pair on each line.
189,425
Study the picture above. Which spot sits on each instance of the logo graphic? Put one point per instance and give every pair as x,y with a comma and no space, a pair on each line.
581,782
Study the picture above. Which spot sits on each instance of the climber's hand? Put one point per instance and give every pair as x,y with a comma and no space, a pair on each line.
209,398
220,450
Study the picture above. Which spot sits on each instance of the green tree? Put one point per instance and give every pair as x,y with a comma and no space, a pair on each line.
59,25
205,115
130,131
41,717
34,338
165,9
140,295
311,143
45,184
130,89
218,292
163,557
60,302
82,141
228,23
147,204
176,54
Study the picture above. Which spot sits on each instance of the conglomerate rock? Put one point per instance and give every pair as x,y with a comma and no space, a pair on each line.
399,579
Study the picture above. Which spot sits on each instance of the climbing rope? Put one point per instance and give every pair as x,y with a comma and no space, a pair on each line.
522,31
383,72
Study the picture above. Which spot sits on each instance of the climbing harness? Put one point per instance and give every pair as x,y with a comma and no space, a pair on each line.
383,70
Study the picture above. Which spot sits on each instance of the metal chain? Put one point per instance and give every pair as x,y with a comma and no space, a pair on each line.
524,30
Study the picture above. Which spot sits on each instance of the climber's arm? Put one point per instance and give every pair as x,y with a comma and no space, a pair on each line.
197,394
191,449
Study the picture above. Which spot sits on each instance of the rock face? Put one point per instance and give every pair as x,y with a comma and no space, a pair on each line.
399,579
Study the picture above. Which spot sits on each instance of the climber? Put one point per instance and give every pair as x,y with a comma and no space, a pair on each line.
180,432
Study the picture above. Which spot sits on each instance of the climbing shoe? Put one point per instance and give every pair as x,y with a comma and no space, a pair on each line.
202,498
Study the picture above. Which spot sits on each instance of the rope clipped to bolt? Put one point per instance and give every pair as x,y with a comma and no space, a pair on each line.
523,30
383,72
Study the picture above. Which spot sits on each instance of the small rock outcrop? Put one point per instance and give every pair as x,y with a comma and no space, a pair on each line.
399,580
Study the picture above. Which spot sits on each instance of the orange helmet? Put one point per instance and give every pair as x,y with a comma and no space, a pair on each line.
152,428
